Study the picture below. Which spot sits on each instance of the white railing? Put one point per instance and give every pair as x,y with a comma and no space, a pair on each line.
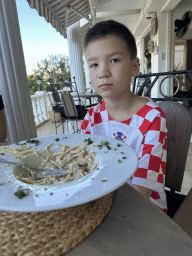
40,102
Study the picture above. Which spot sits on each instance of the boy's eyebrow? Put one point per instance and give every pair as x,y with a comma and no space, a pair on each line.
110,55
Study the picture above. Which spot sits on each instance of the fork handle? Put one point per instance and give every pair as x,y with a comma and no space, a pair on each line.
2,160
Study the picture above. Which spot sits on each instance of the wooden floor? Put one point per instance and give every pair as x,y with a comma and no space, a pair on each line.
48,128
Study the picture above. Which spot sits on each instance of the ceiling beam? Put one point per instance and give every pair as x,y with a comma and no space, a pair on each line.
93,12
118,13
80,14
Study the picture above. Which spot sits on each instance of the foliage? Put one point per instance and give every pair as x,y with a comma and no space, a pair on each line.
53,69
32,84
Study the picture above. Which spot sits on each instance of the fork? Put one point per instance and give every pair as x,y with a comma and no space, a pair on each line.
39,173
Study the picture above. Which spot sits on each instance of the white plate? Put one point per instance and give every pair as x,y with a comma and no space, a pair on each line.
111,175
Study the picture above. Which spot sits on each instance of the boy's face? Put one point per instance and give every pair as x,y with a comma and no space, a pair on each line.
111,67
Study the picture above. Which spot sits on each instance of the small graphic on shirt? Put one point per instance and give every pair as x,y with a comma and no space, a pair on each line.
119,136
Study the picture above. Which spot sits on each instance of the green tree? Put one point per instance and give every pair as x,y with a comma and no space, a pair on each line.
55,69
32,84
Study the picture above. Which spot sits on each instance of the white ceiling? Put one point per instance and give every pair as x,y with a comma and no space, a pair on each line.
137,23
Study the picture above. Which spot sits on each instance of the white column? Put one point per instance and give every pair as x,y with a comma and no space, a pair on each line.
161,60
13,77
86,68
75,55
142,51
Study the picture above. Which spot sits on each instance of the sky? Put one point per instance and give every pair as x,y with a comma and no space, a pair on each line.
39,38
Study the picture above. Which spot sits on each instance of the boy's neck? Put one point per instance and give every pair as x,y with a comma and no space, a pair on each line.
123,109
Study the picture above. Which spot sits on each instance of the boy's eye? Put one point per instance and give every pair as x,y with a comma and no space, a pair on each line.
114,60
94,65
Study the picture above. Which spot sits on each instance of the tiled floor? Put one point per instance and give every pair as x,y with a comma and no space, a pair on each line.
48,128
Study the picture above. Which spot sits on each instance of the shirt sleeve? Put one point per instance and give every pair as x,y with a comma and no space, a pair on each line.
1,103
152,156
86,124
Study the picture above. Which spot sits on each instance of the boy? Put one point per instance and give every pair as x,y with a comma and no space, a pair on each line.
111,54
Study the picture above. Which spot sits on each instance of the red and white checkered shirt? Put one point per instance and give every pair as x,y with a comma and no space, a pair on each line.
146,133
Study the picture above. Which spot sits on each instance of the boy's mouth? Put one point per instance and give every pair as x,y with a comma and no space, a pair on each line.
105,86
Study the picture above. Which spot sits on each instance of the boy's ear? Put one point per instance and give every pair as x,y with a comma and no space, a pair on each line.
136,67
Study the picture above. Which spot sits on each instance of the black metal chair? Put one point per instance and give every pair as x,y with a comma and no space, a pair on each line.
64,104
57,108
74,113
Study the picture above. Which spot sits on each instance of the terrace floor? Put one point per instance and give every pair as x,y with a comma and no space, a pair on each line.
48,128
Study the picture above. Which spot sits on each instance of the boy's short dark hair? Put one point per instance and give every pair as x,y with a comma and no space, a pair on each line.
113,28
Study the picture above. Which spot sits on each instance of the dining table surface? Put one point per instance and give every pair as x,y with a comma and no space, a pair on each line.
134,226
86,95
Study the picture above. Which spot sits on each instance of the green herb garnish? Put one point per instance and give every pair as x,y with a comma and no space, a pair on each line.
124,157
122,153
119,145
89,141
2,154
51,193
36,142
20,193
57,139
103,180
119,161
104,144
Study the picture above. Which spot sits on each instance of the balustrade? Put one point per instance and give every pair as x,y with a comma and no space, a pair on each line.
40,103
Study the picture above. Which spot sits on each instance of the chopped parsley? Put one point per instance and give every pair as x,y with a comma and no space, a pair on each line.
119,145
104,144
2,154
122,153
36,142
124,157
115,148
51,194
89,141
20,193
119,161
103,180
57,139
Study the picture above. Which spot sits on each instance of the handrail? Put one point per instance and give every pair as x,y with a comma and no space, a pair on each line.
157,75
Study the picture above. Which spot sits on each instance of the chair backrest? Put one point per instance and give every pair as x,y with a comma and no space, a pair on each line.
178,139
55,95
69,105
183,216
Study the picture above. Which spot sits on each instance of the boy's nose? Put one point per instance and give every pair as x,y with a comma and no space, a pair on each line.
104,72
